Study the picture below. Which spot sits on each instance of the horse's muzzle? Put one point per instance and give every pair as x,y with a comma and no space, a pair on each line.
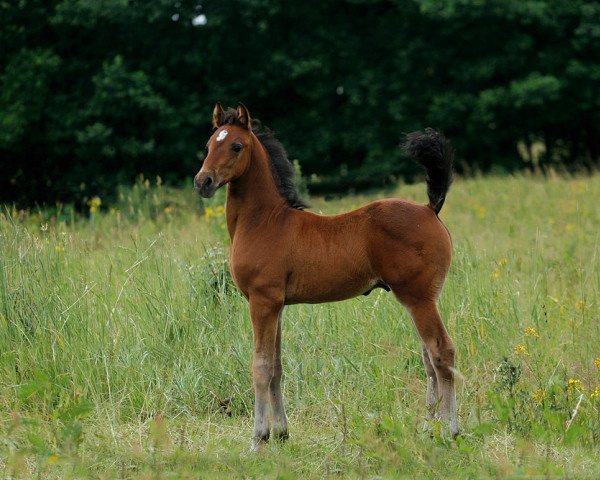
205,185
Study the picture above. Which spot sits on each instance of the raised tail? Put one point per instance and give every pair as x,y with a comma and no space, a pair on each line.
432,150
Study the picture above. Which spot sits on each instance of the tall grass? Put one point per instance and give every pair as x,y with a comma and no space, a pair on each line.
125,348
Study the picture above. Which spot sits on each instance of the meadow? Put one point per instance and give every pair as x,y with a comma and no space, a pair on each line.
125,349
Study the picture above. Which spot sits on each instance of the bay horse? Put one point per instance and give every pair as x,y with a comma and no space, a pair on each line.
281,254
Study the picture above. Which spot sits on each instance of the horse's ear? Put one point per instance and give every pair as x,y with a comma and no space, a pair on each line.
244,116
218,115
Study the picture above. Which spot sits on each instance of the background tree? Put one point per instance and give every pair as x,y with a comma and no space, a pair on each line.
94,93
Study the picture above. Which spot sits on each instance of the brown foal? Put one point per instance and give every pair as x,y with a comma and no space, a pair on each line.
282,255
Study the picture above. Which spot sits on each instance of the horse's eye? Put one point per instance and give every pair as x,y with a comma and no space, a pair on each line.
236,147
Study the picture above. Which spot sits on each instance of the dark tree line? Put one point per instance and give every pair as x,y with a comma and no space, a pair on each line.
95,92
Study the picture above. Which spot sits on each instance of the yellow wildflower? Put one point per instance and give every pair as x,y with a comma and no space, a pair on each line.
499,264
94,203
520,350
597,362
538,396
569,227
59,248
596,392
216,212
575,385
168,210
530,332
580,305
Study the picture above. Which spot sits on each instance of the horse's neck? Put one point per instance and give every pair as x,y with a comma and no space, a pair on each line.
253,197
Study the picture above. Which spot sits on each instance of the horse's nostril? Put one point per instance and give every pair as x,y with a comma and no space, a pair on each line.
205,185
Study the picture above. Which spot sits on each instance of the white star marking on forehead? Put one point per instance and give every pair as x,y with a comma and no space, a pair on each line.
222,135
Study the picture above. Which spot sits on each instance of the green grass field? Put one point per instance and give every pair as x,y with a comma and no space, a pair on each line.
125,349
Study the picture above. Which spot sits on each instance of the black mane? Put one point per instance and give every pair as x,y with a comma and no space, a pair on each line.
281,167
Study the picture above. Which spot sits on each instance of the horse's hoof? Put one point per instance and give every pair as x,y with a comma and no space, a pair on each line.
450,433
437,427
259,440
281,436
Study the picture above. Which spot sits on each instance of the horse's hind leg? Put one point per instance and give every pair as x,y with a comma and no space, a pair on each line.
440,350
431,398
279,425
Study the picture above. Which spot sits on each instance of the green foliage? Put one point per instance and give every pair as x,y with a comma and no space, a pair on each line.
96,93
25,89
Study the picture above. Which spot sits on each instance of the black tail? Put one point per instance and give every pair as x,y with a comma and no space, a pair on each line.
432,150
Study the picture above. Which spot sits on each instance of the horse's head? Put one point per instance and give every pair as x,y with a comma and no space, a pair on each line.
228,150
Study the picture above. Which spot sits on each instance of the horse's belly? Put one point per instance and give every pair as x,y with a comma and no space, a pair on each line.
327,288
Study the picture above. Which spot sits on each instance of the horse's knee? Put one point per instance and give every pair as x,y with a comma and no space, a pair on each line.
262,373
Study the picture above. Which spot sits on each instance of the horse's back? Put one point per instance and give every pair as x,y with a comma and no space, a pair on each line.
406,221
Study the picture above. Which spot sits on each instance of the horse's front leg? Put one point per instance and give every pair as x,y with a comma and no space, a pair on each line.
280,429
264,312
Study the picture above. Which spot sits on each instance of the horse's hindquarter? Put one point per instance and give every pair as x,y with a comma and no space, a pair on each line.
410,248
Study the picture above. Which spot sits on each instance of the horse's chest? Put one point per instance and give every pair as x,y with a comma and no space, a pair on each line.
239,272
249,266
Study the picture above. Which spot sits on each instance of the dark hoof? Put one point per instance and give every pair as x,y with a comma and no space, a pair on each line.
262,438
259,440
281,436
